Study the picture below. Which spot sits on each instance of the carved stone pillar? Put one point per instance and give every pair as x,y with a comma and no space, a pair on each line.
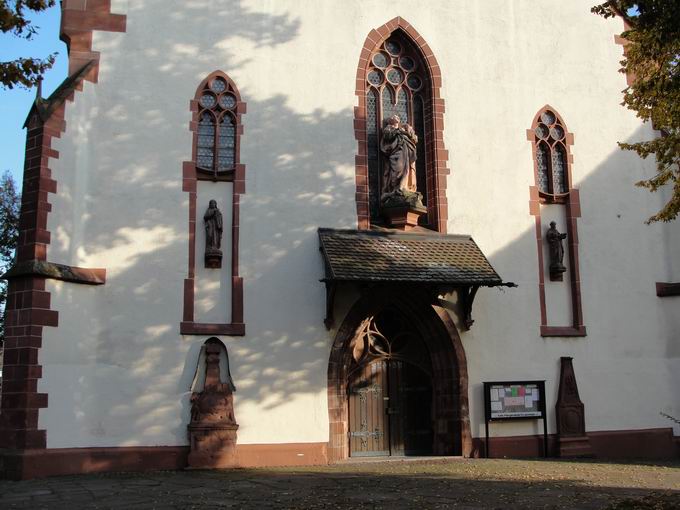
571,425
212,430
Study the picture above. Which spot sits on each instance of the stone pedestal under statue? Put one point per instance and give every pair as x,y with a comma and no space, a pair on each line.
402,210
212,430
213,258
571,426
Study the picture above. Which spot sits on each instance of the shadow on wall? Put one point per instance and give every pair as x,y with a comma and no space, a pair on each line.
620,258
283,357
138,157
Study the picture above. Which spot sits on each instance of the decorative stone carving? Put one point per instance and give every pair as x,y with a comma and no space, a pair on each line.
571,425
401,203
554,238
212,430
213,236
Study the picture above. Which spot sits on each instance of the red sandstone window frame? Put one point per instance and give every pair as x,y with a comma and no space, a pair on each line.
191,174
435,153
571,201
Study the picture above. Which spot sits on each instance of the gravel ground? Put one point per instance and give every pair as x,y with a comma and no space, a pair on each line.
445,483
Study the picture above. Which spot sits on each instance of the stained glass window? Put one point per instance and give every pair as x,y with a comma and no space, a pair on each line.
395,85
226,143
218,85
387,103
559,167
380,60
548,117
419,127
557,133
543,165
394,76
227,101
207,101
551,156
414,82
542,131
401,108
393,47
216,136
206,141
375,77
373,152
407,63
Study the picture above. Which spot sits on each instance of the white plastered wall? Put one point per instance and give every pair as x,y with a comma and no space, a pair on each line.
116,369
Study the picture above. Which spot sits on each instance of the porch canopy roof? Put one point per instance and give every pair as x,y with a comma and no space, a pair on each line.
426,259
398,257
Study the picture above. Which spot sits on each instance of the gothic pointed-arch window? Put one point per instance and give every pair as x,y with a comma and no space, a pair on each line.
399,75
396,85
216,175
554,202
551,156
216,141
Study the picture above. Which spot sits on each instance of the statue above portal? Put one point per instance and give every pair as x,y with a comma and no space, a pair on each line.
398,145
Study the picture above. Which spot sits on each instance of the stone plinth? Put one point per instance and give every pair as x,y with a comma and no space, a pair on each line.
212,446
571,424
212,430
402,217
213,259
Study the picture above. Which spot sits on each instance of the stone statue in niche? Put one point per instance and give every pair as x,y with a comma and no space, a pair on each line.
554,238
213,236
212,430
400,201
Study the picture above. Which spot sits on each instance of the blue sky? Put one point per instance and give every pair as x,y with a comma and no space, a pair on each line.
15,103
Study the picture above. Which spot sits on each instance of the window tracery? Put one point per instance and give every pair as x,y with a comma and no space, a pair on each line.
216,140
553,184
551,156
395,82
216,123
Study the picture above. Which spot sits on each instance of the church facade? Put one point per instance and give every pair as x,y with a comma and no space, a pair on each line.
296,232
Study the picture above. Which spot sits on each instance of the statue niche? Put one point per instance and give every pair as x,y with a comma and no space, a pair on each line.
212,430
400,202
554,238
213,236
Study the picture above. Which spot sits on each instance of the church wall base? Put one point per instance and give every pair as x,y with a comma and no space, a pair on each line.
605,444
28,464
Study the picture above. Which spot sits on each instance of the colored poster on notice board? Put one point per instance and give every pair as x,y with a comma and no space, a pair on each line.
514,400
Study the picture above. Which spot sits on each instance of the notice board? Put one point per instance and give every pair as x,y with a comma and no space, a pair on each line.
508,400
515,400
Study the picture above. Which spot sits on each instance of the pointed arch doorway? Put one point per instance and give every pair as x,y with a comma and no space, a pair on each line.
389,389
397,380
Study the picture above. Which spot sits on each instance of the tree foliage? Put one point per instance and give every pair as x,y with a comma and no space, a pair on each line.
23,71
652,57
10,203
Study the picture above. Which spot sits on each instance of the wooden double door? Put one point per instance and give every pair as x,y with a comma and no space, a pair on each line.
390,409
